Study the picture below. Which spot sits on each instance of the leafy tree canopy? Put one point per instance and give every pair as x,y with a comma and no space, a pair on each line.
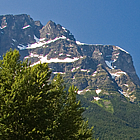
33,107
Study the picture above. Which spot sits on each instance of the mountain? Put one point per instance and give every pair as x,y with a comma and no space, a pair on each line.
104,74
85,66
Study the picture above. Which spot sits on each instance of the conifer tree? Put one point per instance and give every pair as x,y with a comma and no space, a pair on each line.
33,107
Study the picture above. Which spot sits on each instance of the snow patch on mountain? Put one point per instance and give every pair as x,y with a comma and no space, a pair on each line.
34,55
94,74
36,45
122,49
64,29
56,60
82,91
85,70
57,38
14,40
98,91
61,54
37,39
3,27
120,92
39,43
96,98
68,55
117,74
109,64
79,43
79,91
73,69
21,47
27,26
67,60
126,85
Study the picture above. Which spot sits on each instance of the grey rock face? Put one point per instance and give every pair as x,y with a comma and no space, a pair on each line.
51,31
104,67
17,30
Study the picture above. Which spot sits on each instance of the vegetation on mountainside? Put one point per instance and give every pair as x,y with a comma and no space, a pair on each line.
121,120
33,107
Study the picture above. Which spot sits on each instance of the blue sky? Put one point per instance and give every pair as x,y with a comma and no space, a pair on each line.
115,22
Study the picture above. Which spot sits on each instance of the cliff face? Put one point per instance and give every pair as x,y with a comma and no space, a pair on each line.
89,67
17,31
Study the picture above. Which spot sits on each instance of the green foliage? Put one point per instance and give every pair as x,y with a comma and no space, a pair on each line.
121,123
137,94
106,104
32,107
89,95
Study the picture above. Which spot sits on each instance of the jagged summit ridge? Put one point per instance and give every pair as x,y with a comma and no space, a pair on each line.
51,31
86,66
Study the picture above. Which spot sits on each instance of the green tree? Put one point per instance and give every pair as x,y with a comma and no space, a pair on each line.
33,107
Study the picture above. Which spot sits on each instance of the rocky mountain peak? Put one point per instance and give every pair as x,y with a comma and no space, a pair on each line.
17,30
51,31
93,66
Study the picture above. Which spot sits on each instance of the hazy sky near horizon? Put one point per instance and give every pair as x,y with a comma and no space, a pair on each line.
115,22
